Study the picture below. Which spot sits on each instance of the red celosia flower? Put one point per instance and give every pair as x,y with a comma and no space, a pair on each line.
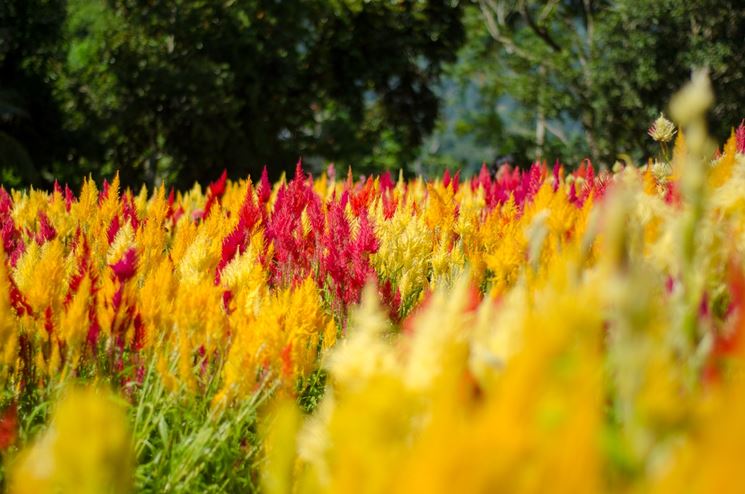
390,204
556,175
17,300
249,217
264,191
366,241
729,342
139,334
84,268
391,299
46,230
227,297
215,192
125,268
171,199
386,181
740,137
104,191
672,194
69,198
286,356
217,188
360,200
11,236
573,196
447,180
344,262
129,211
294,248
113,229
48,321
8,426
483,179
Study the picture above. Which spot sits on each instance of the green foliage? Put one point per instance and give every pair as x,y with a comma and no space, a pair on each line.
176,91
183,444
179,90
311,389
30,117
585,78
648,47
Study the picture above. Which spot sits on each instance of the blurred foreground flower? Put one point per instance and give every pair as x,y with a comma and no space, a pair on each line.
86,449
8,426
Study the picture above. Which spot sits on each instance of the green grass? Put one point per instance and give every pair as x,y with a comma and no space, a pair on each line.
182,443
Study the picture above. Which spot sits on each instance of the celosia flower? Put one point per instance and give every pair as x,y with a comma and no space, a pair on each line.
87,449
125,268
573,337
740,136
662,130
216,190
8,426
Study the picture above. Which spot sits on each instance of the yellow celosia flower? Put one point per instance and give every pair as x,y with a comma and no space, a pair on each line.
74,322
87,449
723,168
423,427
280,343
574,329
8,321
405,251
47,263
156,302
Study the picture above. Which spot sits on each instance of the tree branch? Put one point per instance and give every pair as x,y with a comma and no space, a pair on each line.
493,27
538,30
556,131
589,22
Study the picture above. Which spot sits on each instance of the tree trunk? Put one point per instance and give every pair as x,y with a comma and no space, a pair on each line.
540,133
589,128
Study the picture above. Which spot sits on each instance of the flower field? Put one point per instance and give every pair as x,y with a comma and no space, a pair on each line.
553,328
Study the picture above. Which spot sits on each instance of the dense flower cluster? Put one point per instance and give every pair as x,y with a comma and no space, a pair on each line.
518,331
603,352
252,279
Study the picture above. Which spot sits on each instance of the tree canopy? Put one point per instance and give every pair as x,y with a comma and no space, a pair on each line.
585,78
179,90
176,89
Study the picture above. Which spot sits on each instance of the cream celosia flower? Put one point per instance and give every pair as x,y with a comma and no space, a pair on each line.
662,130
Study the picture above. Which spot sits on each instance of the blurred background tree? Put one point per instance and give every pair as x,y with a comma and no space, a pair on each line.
175,91
572,79
30,116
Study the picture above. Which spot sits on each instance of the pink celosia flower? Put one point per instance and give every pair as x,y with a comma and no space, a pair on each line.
113,229
215,192
248,217
46,230
125,268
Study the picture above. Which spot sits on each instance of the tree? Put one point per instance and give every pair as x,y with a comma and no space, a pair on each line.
177,89
576,78
29,114
648,52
